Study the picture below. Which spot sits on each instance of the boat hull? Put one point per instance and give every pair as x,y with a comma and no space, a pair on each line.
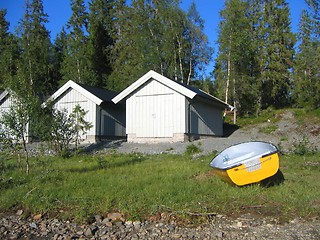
251,170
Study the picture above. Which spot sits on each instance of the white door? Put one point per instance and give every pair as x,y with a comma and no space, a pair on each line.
154,115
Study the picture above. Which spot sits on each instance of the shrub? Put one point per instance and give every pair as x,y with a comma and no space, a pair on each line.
303,147
192,149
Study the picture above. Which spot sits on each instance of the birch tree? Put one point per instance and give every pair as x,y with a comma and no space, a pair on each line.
76,64
34,66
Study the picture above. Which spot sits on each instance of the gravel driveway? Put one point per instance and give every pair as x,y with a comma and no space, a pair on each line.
287,134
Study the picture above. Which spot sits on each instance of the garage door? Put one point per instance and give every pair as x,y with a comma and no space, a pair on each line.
154,115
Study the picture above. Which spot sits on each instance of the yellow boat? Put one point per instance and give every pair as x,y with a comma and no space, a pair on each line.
247,163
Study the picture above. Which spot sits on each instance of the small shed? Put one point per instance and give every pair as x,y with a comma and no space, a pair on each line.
6,101
108,119
159,109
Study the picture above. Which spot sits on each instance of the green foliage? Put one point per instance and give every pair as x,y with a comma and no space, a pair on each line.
76,64
193,149
303,147
67,128
268,129
15,124
255,55
34,66
159,36
266,116
307,78
9,52
79,124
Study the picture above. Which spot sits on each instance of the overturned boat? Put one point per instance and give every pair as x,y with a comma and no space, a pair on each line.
247,163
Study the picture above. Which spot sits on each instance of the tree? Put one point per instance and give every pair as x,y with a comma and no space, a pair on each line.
9,52
100,41
16,124
277,55
255,57
307,65
233,71
66,128
34,68
79,124
76,64
200,53
159,36
59,48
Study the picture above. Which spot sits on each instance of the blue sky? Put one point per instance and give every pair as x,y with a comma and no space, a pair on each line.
59,12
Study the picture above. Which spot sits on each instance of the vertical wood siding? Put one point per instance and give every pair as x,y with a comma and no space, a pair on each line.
155,111
70,99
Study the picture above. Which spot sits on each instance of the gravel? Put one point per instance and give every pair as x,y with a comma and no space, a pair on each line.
286,136
112,226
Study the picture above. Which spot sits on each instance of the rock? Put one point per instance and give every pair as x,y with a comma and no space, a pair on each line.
37,217
115,217
128,224
239,224
88,233
176,236
98,218
33,225
136,225
19,212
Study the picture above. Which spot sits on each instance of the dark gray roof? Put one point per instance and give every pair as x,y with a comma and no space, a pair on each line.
103,94
205,95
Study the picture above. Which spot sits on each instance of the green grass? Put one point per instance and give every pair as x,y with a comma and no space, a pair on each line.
143,185
264,116
268,129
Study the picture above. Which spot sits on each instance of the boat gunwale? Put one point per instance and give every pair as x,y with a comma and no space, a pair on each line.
239,164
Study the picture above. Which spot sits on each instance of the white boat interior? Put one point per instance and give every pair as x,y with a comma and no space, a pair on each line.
243,153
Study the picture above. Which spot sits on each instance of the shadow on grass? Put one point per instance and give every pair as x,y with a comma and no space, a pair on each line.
274,180
104,144
103,163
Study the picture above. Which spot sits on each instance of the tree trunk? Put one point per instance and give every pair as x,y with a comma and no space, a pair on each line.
27,155
180,58
228,77
190,66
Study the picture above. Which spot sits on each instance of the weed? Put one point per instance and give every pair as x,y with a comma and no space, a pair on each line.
169,149
303,147
192,149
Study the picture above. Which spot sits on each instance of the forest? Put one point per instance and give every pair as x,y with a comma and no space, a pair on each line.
260,62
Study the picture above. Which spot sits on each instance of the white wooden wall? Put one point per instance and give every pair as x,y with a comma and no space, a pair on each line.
70,99
155,111
4,107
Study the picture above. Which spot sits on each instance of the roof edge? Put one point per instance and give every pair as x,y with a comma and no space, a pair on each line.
4,94
158,77
74,85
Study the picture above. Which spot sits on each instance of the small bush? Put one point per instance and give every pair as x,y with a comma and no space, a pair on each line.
303,147
192,149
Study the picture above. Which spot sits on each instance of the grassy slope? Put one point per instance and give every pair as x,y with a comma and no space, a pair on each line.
143,185
140,186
